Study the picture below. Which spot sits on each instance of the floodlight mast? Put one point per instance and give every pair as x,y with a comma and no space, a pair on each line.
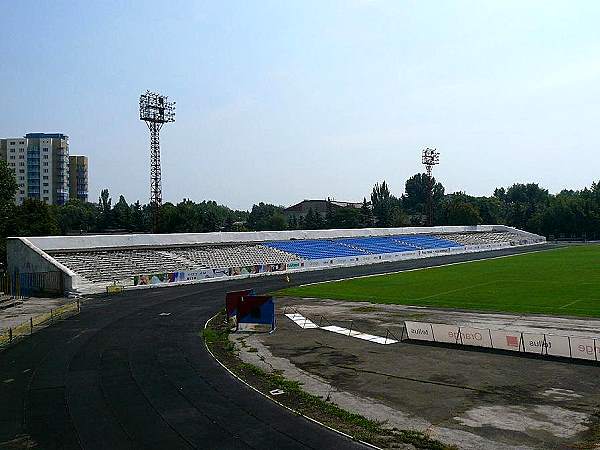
155,110
430,157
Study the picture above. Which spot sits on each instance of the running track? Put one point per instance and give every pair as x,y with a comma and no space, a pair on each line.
119,375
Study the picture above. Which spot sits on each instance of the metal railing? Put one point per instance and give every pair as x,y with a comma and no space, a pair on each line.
11,334
24,285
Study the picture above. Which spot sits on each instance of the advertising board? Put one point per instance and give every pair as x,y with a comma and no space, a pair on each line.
478,337
419,331
449,334
506,340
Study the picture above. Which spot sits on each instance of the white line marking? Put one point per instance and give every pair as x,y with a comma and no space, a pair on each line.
359,335
301,321
466,288
569,304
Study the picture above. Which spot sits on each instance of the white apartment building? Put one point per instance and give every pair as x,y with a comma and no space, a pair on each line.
40,162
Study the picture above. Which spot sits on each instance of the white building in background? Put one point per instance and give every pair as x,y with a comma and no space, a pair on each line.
40,162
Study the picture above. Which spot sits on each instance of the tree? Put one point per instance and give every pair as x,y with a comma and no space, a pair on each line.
293,223
122,214
105,205
260,217
228,225
522,202
382,202
8,190
140,221
348,217
416,193
329,215
277,222
460,212
310,220
77,216
36,218
366,215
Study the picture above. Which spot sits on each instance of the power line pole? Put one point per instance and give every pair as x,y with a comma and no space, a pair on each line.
155,110
430,157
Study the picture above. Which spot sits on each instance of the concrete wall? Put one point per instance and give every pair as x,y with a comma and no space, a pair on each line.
24,257
55,243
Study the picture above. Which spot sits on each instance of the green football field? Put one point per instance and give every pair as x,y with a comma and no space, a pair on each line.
563,281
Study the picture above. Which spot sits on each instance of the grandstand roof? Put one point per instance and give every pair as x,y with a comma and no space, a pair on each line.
52,243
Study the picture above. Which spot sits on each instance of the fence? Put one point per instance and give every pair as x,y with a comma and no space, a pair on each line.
22,285
520,342
28,327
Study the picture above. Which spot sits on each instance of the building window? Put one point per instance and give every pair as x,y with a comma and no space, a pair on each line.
45,191
12,143
22,192
45,163
22,150
21,156
45,149
22,164
46,199
12,150
45,170
45,184
45,177
45,156
12,156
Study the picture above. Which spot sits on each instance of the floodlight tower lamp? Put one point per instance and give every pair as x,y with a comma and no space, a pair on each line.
155,111
430,157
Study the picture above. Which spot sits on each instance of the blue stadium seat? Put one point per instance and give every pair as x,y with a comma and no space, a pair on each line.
360,246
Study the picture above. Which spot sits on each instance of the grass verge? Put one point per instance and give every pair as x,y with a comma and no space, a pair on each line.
216,336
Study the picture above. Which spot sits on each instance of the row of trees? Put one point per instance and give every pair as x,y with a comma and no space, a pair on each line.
569,214
525,206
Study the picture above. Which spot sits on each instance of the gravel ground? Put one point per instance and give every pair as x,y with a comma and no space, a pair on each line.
474,399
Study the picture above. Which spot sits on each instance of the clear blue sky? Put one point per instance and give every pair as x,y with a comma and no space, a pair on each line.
283,100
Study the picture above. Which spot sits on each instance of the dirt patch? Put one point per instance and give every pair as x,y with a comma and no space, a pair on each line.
469,398
290,393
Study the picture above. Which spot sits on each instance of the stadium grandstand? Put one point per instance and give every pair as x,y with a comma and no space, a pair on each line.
90,263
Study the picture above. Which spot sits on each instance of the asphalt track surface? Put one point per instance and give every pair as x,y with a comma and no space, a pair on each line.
121,375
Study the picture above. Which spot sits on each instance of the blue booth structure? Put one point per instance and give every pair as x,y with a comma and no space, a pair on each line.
251,312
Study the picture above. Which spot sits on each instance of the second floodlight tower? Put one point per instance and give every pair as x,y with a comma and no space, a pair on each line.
430,157
155,110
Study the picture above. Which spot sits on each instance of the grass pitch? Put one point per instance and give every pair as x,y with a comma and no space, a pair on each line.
564,281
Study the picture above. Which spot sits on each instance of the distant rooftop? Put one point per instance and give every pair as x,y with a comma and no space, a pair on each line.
46,135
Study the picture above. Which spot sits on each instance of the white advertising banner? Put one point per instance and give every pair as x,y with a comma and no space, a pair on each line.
506,340
446,333
582,348
419,331
558,345
534,343
478,337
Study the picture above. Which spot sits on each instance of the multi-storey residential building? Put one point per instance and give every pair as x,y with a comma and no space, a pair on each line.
78,177
40,162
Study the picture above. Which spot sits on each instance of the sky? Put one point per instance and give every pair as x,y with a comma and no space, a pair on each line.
278,101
